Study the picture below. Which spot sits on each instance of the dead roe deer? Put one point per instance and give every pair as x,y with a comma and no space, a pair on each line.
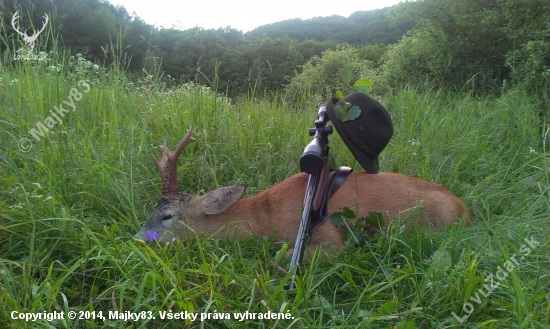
277,210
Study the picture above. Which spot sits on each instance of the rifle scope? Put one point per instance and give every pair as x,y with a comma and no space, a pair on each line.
312,159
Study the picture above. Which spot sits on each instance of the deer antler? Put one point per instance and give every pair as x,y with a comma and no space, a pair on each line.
169,179
13,23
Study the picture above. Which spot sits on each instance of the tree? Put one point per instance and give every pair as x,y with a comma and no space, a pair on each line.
452,43
528,27
359,28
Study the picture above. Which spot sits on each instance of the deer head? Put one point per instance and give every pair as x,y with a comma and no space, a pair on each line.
178,213
29,40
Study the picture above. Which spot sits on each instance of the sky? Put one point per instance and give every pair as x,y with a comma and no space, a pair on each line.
244,15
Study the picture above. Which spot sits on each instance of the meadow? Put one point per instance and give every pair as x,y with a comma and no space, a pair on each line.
71,200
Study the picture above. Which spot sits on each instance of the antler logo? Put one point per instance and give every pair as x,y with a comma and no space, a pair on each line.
29,40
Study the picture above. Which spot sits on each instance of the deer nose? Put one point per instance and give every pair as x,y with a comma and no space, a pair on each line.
140,236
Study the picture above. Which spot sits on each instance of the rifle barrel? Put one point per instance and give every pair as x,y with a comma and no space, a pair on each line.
301,237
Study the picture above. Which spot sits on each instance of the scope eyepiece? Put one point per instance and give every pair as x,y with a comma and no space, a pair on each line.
312,160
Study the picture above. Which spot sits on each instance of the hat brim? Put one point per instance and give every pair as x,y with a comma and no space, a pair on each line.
368,163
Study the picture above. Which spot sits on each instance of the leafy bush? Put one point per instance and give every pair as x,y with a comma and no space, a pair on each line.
332,71
531,66
528,26
413,61
373,53
455,44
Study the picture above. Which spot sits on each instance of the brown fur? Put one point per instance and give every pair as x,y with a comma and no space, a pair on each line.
277,210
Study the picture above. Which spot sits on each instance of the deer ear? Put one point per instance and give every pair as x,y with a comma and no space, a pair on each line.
219,200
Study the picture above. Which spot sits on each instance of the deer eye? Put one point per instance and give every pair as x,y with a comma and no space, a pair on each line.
167,217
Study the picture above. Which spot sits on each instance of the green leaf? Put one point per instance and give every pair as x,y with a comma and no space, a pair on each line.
363,85
324,303
347,105
338,94
348,213
73,293
351,237
347,111
345,74
341,112
363,82
364,90
280,255
375,219
337,219
388,308
188,307
346,237
445,259
353,113
113,228
149,280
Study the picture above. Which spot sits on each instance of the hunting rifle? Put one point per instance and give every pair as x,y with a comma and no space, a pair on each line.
315,161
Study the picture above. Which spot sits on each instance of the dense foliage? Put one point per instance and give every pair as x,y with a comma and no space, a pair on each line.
360,28
258,60
472,45
323,75
466,45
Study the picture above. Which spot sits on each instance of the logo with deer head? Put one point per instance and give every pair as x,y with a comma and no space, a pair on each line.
30,40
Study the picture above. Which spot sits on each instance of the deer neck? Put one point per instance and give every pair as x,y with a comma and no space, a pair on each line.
261,214
244,217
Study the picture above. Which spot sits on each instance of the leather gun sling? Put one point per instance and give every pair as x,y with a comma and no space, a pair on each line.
334,184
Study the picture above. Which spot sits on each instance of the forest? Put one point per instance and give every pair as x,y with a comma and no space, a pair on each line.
463,45
266,57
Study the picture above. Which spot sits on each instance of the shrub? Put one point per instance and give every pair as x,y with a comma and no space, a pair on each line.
325,74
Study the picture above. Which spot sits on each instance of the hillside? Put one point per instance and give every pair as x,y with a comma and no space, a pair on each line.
270,55
361,27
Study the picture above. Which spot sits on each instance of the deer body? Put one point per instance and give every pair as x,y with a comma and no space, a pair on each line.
277,211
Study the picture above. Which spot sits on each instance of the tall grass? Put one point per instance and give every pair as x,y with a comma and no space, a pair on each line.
70,205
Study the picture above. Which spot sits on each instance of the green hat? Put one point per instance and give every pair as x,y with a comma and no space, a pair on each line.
364,125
